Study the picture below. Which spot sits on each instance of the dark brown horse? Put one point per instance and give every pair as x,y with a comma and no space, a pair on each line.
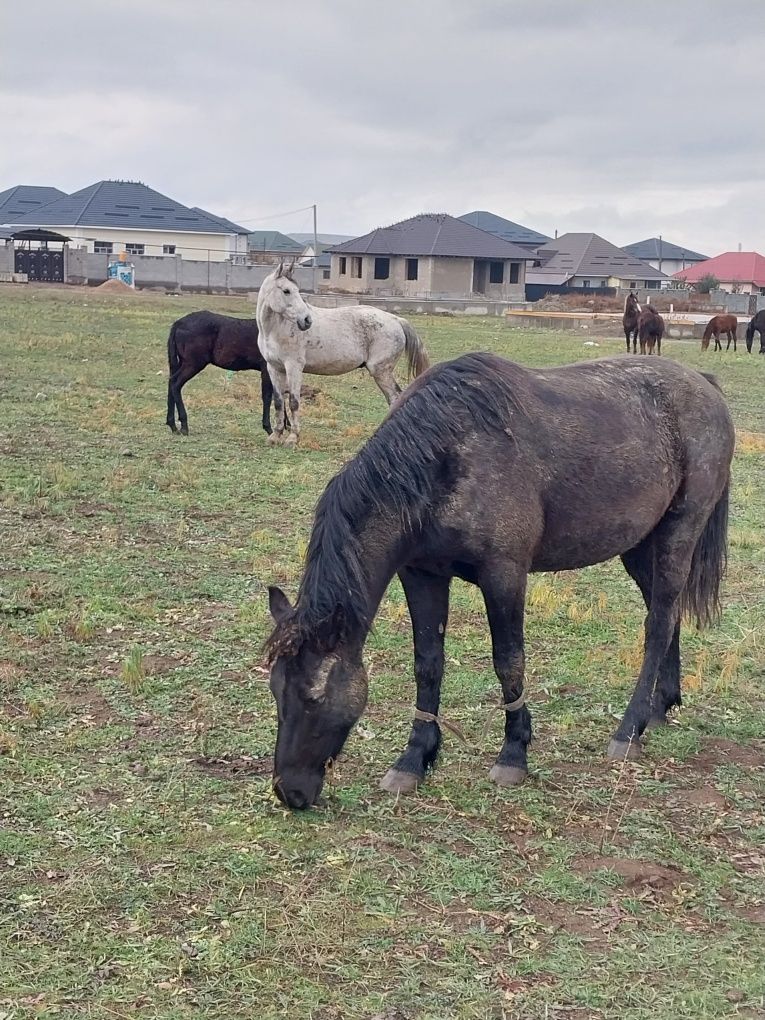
758,324
632,310
616,457
650,330
206,338
720,324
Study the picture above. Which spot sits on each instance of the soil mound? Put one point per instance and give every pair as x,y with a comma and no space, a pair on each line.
115,287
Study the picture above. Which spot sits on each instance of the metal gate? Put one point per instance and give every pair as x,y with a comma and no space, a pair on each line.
40,264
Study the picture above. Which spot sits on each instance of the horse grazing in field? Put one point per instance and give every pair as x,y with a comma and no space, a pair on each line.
206,338
757,323
650,330
720,324
632,310
296,338
614,457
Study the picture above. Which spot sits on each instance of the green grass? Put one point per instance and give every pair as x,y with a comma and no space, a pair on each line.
145,869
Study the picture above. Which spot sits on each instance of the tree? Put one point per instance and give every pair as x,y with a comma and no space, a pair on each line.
707,283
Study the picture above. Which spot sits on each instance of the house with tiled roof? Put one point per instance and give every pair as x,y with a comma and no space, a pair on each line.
111,217
587,261
432,255
739,272
271,245
515,233
23,199
668,258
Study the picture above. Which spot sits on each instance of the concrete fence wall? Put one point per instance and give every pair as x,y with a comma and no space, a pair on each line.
173,272
412,306
719,300
7,264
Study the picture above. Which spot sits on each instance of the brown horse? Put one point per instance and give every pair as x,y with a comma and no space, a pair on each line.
650,330
621,457
632,310
720,324
207,338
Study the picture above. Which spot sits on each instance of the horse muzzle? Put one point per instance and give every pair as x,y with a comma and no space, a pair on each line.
298,791
304,323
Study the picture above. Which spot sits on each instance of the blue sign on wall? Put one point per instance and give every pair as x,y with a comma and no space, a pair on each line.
124,271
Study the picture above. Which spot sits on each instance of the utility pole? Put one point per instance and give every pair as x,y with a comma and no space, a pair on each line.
315,254
660,252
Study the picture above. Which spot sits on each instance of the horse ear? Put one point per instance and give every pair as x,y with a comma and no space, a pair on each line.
291,269
280,269
278,604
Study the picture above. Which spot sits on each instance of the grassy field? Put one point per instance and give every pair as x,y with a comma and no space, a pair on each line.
145,869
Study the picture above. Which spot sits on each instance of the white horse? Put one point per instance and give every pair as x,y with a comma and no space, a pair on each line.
294,338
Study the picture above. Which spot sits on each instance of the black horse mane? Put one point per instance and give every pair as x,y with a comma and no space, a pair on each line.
398,470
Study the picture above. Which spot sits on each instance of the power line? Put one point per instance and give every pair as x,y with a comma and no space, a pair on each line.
273,216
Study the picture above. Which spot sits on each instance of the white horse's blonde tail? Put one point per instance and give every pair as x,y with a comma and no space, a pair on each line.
417,360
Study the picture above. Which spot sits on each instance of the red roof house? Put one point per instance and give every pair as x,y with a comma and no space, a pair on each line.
742,271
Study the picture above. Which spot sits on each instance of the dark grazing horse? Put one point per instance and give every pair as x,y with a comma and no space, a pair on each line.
757,323
206,338
488,471
650,330
632,310
720,324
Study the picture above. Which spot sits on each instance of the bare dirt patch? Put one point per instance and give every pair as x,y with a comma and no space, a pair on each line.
636,873
718,751
234,766
100,797
156,665
88,705
93,509
594,926
704,796
755,915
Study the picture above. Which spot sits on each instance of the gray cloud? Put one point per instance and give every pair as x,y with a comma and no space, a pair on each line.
569,116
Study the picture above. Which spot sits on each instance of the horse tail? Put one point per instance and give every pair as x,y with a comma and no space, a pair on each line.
173,357
417,360
701,597
750,336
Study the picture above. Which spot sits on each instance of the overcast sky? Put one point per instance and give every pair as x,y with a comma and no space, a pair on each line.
629,120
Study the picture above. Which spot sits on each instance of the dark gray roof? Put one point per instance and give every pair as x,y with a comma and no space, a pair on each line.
25,198
273,241
653,248
227,225
125,204
515,233
323,239
433,234
588,255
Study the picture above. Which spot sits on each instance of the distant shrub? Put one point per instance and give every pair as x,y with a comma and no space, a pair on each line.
707,283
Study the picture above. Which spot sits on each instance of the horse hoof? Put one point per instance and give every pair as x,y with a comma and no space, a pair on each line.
291,440
507,775
184,430
399,782
624,750
274,439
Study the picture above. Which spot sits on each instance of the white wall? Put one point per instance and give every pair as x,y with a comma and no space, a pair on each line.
670,266
187,244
